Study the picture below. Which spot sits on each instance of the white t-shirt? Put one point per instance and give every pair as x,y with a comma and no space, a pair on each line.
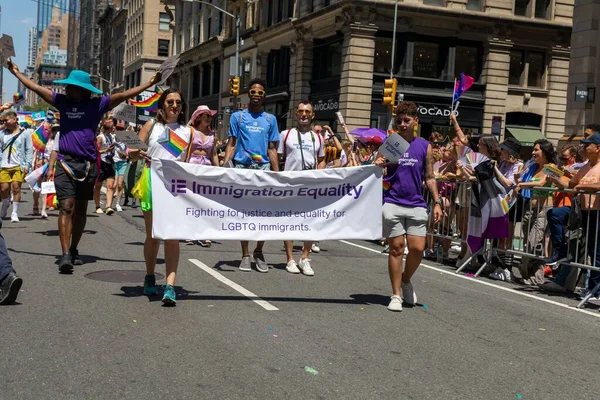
343,159
107,140
15,154
55,142
158,150
311,150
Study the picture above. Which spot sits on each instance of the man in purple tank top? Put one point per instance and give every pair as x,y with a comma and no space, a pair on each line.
404,208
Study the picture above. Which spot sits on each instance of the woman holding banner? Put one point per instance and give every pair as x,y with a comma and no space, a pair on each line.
168,124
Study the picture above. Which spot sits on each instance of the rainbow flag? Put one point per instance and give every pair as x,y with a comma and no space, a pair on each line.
25,118
18,97
150,104
172,142
39,138
256,157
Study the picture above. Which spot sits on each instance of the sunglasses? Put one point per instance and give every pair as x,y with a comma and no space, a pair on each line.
172,102
254,92
565,158
437,144
405,120
317,131
303,112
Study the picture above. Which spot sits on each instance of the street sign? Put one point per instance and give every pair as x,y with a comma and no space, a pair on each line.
581,95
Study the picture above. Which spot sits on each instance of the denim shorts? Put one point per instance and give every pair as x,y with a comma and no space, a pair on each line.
120,168
262,167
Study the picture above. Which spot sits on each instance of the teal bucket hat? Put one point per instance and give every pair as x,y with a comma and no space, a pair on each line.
81,79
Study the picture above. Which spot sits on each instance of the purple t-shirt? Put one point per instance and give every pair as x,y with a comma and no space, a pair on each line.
78,124
404,181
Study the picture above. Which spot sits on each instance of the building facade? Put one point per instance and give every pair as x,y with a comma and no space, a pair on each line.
45,13
73,37
338,54
88,51
32,50
148,39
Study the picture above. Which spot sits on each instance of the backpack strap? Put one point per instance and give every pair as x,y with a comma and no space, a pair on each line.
285,142
188,153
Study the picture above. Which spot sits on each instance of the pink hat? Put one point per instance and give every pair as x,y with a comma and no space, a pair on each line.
201,110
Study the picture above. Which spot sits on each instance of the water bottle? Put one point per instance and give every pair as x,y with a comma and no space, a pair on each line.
439,254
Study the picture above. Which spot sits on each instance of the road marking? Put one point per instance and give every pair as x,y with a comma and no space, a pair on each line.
264,304
443,271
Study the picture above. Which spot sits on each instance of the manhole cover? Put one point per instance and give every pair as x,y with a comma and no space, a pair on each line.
121,276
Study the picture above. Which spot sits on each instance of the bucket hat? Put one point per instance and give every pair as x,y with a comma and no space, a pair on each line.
512,146
81,79
201,110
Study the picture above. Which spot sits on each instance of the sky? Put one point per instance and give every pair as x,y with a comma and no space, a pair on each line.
17,17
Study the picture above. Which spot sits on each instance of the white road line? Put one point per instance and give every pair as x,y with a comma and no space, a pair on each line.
443,271
264,304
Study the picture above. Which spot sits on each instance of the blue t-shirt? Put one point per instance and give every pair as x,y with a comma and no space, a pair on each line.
253,132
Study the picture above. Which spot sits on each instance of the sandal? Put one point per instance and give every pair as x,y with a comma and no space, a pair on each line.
204,243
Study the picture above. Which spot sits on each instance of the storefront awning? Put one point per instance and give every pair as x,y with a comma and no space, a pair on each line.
527,135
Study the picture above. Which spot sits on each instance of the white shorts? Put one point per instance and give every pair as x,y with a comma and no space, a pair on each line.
399,220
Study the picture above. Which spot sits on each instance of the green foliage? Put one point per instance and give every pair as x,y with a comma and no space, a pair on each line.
39,106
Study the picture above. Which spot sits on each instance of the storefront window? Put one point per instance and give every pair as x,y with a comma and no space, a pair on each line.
383,55
327,60
537,67
425,64
517,65
467,61
205,79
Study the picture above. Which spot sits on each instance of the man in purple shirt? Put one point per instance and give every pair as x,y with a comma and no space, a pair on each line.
76,170
404,208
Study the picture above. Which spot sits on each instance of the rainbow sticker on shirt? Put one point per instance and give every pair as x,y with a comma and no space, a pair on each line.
172,142
386,186
255,156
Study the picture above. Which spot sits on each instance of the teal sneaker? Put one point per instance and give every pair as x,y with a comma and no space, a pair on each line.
169,296
150,285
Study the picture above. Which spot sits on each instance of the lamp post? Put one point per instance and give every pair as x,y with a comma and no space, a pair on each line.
238,23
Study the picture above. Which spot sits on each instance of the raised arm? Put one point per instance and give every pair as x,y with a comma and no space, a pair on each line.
44,93
118,98
459,133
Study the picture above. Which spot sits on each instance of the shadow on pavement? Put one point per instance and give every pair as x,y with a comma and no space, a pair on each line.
234,264
54,232
138,291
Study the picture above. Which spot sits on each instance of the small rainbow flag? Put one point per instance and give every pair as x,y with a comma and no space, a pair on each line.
172,142
256,157
18,97
39,138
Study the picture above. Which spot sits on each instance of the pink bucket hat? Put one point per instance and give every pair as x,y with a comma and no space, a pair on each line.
201,110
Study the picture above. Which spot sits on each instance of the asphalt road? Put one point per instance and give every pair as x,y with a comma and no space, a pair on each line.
72,337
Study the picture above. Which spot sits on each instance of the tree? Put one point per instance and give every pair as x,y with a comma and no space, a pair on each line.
39,106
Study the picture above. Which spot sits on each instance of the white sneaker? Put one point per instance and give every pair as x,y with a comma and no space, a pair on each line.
408,293
305,267
4,208
455,248
118,208
14,217
292,267
99,211
395,303
508,276
246,264
315,248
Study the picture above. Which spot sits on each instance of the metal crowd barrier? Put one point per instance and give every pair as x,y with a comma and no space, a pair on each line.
530,240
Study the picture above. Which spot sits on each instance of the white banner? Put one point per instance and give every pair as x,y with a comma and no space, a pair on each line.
200,202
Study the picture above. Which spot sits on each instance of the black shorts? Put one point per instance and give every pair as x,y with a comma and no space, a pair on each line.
81,188
107,170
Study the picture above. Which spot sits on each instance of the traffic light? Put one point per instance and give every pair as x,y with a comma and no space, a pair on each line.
234,86
389,92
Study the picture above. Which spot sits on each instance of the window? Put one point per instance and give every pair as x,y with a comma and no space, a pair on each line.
196,82
516,68
425,62
205,79
467,61
537,66
435,2
278,67
163,22
474,5
327,58
246,72
163,48
216,79
522,7
542,9
527,68
383,55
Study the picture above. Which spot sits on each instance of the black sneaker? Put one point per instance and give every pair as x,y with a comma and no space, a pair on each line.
553,259
65,265
9,289
75,259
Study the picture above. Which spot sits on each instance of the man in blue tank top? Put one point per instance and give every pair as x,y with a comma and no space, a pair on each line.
404,208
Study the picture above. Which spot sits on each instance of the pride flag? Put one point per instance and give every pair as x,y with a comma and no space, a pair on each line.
256,157
18,97
463,83
25,118
172,142
39,138
150,104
